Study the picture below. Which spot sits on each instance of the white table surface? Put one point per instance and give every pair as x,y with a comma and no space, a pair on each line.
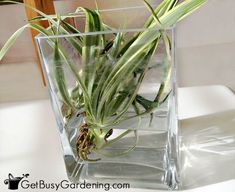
30,143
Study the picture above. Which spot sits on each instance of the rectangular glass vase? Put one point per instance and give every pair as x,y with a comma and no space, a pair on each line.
115,106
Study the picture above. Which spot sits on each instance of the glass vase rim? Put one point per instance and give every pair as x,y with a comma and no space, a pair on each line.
103,32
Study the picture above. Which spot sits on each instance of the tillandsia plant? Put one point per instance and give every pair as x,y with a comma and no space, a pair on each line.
107,88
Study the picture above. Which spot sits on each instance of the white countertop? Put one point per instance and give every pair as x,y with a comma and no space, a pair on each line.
30,143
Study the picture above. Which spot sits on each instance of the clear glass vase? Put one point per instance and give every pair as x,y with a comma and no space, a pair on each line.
123,127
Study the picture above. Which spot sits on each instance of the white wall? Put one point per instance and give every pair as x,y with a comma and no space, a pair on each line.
205,40
206,45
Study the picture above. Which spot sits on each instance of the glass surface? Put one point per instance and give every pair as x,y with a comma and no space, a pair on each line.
146,155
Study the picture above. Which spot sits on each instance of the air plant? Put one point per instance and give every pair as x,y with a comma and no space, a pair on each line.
107,88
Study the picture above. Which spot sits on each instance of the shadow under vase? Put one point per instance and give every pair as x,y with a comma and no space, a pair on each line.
208,149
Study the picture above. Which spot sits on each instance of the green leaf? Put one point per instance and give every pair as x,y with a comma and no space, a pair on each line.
128,63
51,19
92,46
59,69
157,21
59,76
167,43
116,46
76,44
73,68
160,10
145,63
11,41
180,11
101,77
127,45
147,104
